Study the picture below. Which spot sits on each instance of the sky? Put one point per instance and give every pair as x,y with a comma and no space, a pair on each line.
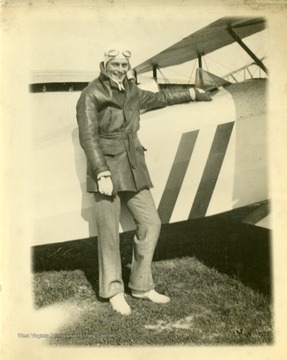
76,40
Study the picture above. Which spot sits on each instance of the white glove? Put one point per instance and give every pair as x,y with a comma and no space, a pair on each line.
105,184
198,94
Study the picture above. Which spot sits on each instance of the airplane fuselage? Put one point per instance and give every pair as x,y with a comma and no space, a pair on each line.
204,158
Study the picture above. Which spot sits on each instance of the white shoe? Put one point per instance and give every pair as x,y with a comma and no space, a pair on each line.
153,296
120,305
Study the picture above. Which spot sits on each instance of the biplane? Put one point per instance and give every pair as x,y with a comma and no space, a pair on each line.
211,158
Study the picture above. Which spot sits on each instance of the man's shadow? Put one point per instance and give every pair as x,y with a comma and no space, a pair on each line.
82,254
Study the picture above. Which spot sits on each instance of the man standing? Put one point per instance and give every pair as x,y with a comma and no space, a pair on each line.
108,119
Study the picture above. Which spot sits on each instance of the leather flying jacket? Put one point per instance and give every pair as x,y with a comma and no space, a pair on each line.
108,121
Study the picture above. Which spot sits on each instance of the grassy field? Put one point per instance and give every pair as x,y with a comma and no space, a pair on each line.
206,308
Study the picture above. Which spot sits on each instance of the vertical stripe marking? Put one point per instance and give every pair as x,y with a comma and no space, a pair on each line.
193,174
176,176
212,170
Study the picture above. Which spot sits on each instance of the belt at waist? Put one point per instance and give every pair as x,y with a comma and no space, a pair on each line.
129,146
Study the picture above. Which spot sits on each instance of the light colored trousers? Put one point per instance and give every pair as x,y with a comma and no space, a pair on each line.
142,208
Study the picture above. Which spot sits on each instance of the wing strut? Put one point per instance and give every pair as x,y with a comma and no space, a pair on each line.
199,57
154,72
246,48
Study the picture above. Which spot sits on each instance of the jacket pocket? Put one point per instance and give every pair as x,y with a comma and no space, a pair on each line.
112,147
105,119
111,119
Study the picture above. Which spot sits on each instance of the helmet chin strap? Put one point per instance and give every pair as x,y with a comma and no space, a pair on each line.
120,84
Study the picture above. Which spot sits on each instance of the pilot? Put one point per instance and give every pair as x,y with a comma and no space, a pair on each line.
108,115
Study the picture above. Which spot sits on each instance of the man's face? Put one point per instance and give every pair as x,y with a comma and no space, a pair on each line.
117,69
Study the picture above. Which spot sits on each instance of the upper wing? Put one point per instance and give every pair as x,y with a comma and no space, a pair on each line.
204,41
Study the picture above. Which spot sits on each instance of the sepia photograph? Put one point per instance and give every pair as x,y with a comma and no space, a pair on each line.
139,189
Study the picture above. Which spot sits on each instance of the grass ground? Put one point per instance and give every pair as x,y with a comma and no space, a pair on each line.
206,308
